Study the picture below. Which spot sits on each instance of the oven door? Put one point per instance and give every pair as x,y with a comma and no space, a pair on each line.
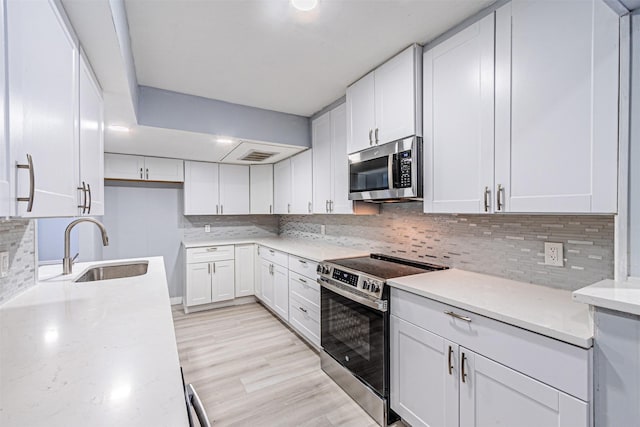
354,335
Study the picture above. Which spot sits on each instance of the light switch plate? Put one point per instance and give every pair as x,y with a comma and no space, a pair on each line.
4,264
553,254
207,228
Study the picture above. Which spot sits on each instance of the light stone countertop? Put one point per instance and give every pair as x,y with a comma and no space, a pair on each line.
94,354
547,311
619,295
311,250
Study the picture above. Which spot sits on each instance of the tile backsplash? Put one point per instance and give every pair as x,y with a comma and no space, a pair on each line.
229,227
510,246
18,237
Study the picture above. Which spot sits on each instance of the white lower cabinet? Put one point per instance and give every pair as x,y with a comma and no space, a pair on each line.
210,275
438,381
245,271
281,291
266,282
222,280
198,284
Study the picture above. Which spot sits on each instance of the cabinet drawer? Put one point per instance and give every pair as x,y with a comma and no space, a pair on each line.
305,318
274,256
210,254
304,288
556,363
303,267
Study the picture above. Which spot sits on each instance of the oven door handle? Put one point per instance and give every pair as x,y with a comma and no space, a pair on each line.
378,305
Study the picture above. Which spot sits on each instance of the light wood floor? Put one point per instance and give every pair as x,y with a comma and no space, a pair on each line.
251,370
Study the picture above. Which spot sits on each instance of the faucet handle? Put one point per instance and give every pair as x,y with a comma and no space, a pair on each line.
74,258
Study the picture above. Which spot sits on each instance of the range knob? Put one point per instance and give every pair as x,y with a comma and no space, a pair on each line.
374,287
365,285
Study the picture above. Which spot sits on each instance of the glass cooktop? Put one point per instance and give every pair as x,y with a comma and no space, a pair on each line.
385,267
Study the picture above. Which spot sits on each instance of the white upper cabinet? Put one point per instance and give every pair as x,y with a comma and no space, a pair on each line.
201,188
385,105
138,168
556,106
330,163
91,142
261,189
7,207
302,183
282,187
458,121
43,108
234,189
361,113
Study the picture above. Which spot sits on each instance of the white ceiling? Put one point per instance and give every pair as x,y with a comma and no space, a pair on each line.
266,54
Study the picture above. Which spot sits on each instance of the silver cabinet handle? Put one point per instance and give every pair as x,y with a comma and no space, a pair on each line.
463,373
209,268
486,199
304,310
302,280
147,170
270,209
221,209
90,199
32,183
309,207
212,249
302,261
499,197
288,207
198,407
217,209
326,206
458,316
370,137
83,206
450,362
330,206
376,136
141,176
214,268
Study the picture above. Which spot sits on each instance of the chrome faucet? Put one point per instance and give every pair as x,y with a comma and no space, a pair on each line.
67,261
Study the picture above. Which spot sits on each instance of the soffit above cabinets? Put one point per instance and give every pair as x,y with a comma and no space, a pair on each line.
267,54
246,153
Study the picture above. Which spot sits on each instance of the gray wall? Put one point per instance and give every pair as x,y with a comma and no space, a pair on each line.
634,161
508,246
18,237
166,109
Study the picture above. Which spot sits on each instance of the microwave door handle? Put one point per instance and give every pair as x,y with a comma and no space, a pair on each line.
391,172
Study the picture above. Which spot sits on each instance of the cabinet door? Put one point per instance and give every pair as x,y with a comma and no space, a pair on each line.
397,93
322,176
244,270
43,93
281,291
261,189
6,169
198,286
340,203
282,187
223,280
557,106
257,264
302,183
201,188
424,376
91,140
123,166
494,395
361,112
167,170
266,282
459,89
234,189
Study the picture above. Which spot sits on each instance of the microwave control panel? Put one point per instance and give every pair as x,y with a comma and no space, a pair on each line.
403,160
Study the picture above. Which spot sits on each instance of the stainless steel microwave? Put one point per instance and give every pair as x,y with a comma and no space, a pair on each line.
388,172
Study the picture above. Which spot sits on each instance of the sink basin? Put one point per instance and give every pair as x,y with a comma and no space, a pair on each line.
114,271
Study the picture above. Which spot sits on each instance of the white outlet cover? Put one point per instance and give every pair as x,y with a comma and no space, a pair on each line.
207,228
553,254
4,264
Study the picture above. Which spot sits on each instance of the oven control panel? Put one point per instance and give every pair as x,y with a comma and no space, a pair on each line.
345,277
361,282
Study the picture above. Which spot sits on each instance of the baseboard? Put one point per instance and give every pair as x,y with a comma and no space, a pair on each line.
236,301
175,300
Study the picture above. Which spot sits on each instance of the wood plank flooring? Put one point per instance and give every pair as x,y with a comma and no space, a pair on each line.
251,370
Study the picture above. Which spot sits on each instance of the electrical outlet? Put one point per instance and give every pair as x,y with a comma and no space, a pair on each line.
322,229
4,264
207,228
553,254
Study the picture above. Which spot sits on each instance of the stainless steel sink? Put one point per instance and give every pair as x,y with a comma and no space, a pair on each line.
114,271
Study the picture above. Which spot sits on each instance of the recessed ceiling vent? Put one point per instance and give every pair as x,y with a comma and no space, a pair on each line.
257,156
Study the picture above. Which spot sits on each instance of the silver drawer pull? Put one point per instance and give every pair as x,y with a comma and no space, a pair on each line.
302,309
302,280
302,262
272,251
458,316
212,249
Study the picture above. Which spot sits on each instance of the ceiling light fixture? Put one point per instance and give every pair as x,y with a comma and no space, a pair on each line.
118,128
225,140
304,5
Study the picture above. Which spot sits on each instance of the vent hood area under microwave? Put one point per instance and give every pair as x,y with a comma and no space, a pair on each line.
386,173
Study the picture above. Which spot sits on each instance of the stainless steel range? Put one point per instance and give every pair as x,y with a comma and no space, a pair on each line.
354,326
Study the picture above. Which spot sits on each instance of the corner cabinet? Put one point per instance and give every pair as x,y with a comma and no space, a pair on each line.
274,281
330,163
261,189
545,138
386,104
454,368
